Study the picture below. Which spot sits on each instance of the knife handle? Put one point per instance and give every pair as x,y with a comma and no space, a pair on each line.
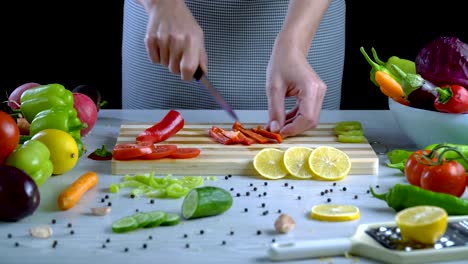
198,73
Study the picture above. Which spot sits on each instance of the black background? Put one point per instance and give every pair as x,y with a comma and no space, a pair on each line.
79,42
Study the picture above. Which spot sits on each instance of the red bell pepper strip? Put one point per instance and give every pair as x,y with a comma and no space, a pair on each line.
217,134
262,131
452,99
238,137
167,127
249,133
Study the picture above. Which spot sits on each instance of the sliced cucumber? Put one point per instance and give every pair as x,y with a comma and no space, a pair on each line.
171,219
155,218
143,219
125,224
206,201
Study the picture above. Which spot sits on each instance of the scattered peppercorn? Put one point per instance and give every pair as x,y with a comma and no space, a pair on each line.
152,201
259,232
264,193
54,221
265,183
285,184
16,244
255,189
251,184
334,184
185,235
259,195
299,197
150,237
132,196
109,204
107,196
54,244
69,225
9,235
72,232
126,249
246,210
322,193
326,191
103,245
232,189
202,232
279,211
263,205
187,245
368,191
229,175
292,187
102,200
231,233
223,243
344,189
238,194
247,193
331,190
145,246
226,177
329,200
355,196
265,212
108,240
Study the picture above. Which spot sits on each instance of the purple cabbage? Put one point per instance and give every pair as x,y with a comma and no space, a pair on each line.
444,61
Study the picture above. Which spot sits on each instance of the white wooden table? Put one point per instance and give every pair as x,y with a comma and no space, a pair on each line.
238,229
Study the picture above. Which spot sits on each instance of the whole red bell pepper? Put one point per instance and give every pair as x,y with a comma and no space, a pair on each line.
164,129
452,99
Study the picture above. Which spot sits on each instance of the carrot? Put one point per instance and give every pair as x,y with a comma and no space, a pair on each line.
389,86
73,193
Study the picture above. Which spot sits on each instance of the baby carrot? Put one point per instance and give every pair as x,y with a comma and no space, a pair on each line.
72,194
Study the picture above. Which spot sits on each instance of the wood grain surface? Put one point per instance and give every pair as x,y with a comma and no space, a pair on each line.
217,159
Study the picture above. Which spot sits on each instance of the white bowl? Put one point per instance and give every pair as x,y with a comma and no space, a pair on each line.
426,127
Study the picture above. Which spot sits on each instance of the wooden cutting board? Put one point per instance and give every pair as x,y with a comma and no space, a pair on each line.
219,160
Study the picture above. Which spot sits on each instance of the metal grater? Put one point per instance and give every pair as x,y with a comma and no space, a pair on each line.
455,235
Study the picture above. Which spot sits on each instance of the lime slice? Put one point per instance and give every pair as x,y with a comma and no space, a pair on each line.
143,219
155,218
334,212
329,163
424,224
125,224
170,219
206,201
268,162
296,162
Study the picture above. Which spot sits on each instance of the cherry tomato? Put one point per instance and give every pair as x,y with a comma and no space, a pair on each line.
414,167
185,153
125,151
160,151
448,177
9,135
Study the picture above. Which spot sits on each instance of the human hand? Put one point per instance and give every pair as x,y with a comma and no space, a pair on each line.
290,74
174,38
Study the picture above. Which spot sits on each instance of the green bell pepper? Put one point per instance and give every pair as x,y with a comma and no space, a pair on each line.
44,97
33,157
405,65
62,118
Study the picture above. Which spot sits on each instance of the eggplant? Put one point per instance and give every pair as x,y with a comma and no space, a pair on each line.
19,194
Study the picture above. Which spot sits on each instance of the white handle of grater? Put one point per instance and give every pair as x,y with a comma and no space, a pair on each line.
309,249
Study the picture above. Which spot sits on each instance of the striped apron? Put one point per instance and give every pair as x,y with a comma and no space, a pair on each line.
239,36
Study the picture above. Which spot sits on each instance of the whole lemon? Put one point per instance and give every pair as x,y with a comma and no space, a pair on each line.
63,149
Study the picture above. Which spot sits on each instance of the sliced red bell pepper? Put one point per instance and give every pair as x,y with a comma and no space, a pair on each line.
164,129
237,126
217,134
238,137
262,131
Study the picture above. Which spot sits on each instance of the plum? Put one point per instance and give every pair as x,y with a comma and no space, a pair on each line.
86,110
19,194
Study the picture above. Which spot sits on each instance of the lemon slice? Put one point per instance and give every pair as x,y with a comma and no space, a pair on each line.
268,162
423,224
329,163
334,212
296,162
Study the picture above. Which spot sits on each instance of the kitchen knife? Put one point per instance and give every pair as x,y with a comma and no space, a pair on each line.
201,77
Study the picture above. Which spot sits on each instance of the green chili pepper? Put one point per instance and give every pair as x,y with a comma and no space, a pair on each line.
406,65
33,157
44,97
403,196
377,67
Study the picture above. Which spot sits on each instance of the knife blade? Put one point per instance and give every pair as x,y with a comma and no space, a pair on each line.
201,77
